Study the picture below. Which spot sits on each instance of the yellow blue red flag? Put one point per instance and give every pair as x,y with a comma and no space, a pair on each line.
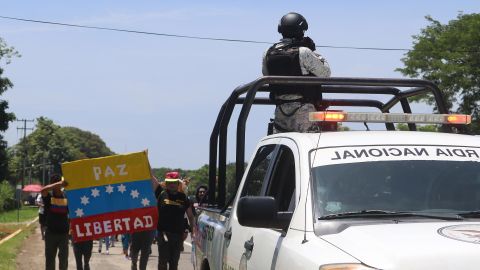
110,195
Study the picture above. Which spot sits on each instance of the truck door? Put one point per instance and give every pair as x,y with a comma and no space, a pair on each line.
272,173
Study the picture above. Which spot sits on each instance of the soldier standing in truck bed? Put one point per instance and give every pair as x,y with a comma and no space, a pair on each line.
294,55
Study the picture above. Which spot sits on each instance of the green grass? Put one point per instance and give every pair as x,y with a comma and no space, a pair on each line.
9,249
26,214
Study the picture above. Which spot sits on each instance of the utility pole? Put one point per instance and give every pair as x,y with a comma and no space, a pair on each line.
24,162
30,174
43,170
44,167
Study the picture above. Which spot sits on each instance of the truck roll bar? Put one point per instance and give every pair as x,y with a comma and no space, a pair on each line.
335,85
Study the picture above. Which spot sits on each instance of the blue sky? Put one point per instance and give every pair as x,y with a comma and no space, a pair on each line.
163,94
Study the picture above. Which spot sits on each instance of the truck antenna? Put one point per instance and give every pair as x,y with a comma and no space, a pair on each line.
366,125
308,188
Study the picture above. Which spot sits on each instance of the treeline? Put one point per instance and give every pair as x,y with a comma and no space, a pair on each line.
47,147
199,177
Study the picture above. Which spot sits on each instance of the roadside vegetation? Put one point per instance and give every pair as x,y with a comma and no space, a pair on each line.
448,54
10,249
26,213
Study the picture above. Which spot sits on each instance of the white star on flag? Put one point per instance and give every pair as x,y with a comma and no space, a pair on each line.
79,212
145,202
109,189
122,188
85,200
134,194
95,192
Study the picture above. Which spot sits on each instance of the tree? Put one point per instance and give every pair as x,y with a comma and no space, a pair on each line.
45,144
88,144
200,177
7,194
6,54
424,128
197,177
53,144
449,55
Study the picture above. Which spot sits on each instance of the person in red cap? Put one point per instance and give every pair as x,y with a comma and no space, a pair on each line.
172,206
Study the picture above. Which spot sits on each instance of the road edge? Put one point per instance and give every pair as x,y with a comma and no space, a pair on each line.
15,233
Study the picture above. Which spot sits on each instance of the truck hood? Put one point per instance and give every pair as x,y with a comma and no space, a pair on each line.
436,245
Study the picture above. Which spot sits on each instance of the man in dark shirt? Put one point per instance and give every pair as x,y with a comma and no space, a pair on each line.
172,206
57,223
141,244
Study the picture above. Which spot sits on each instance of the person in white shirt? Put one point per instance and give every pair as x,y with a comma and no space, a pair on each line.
41,214
294,55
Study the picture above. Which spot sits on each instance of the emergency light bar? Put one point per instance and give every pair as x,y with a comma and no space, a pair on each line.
419,118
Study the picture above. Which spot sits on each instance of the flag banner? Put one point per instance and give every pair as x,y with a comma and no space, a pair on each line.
110,195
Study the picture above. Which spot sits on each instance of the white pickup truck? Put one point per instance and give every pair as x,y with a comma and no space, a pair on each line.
353,199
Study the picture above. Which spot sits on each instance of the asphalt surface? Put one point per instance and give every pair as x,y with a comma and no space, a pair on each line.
31,256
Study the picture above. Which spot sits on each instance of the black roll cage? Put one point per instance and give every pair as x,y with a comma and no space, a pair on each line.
339,85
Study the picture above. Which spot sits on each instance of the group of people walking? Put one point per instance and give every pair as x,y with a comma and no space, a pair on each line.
294,55
176,220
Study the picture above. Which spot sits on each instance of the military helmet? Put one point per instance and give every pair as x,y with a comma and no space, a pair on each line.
292,25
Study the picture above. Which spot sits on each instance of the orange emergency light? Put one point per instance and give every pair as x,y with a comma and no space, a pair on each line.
418,118
459,119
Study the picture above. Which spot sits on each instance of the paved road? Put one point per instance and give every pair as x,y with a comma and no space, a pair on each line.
32,256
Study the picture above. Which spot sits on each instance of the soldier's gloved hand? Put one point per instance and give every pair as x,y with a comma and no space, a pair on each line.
309,43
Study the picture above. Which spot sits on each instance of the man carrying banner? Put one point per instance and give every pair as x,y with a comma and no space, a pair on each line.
56,235
172,206
110,196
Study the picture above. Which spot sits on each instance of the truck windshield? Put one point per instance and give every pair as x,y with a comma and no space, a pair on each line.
404,185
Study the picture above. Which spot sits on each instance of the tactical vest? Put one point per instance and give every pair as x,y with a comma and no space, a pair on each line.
282,59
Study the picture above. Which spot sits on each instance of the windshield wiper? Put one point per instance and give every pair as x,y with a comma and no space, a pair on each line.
383,213
470,214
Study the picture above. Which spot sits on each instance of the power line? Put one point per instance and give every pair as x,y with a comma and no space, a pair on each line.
188,36
211,38
135,31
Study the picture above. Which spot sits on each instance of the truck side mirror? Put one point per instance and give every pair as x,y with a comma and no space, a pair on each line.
258,212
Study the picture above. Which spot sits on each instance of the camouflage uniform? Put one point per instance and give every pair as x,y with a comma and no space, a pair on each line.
293,116
292,111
